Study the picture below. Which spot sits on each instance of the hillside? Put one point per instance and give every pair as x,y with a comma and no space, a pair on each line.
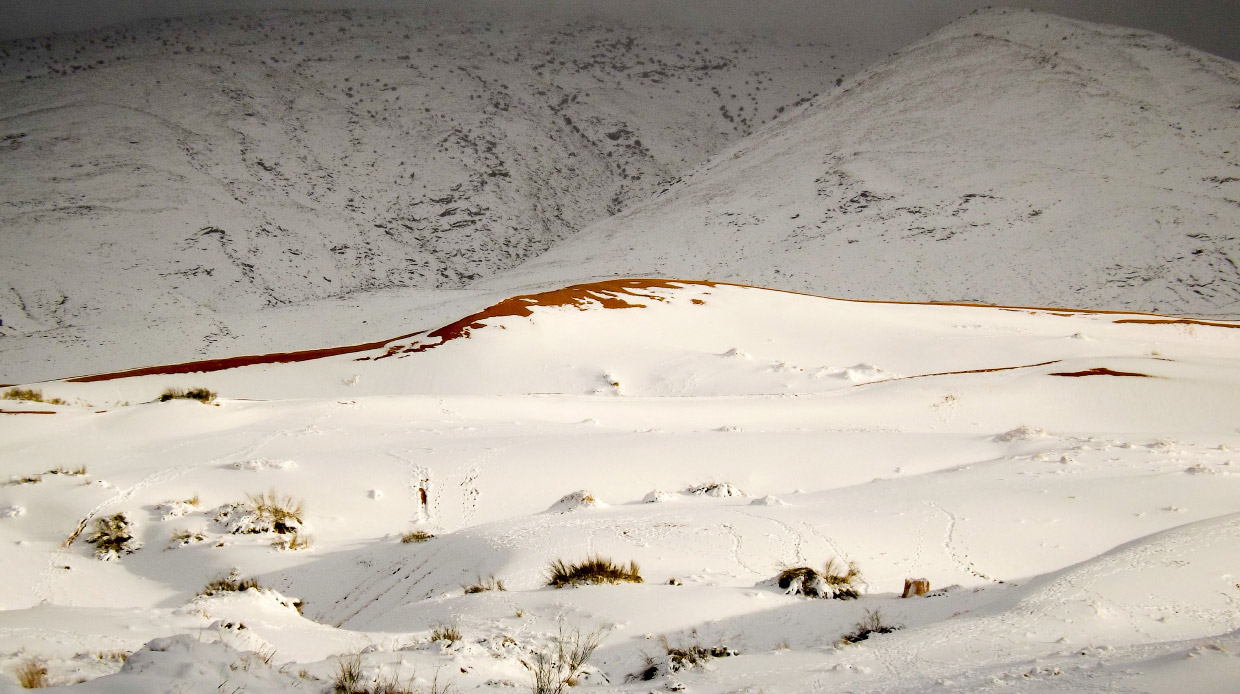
1010,158
1065,481
162,181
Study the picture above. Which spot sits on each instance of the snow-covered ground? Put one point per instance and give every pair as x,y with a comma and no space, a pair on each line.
1065,481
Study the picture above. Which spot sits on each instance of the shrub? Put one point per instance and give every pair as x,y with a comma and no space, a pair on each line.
25,479
182,538
348,676
481,586
32,674
679,658
557,669
232,583
282,513
113,537
30,395
446,631
871,623
593,570
833,582
693,655
293,542
200,394
415,536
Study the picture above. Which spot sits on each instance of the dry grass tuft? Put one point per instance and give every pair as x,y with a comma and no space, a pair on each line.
232,583
32,674
481,586
835,581
200,394
446,631
30,395
594,570
284,512
871,623
415,536
294,542
113,537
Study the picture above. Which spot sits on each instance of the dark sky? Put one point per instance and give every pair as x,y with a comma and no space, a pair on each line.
1211,25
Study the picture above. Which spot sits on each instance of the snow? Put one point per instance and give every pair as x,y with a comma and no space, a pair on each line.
950,466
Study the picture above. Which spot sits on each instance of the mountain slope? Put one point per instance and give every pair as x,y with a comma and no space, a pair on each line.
179,173
1012,158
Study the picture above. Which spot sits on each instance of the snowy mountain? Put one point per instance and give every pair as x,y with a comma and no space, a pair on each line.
1065,482
165,178
1010,158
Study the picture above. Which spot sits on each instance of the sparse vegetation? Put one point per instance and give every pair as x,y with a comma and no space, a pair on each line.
557,669
833,582
113,537
871,623
200,394
347,678
32,674
293,542
232,583
182,538
446,631
415,536
677,658
30,395
25,479
283,514
482,586
593,570
37,478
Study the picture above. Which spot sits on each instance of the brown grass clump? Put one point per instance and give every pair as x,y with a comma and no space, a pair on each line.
594,569
871,623
32,674
232,583
200,394
446,631
113,537
834,582
481,586
30,395
284,512
415,536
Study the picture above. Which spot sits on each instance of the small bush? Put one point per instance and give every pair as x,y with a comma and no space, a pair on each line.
232,583
871,623
25,479
348,676
283,513
181,538
113,537
30,395
293,542
446,631
32,674
593,570
557,669
834,581
693,655
481,586
200,394
415,536
677,658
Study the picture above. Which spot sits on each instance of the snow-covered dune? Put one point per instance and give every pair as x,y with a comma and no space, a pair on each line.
1065,480
1012,158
